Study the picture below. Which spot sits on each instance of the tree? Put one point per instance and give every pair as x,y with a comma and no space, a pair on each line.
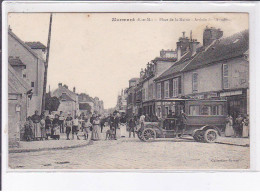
51,103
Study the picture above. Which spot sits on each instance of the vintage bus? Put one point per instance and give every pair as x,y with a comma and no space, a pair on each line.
203,119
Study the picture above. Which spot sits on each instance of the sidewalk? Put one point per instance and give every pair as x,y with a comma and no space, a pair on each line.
51,144
234,141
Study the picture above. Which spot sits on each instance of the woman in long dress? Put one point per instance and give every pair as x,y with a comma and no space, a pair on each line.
245,127
229,131
36,124
42,126
96,129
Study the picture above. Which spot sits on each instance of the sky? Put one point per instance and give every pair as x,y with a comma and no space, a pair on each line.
98,55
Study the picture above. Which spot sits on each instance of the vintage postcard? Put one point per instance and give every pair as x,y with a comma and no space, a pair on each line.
128,91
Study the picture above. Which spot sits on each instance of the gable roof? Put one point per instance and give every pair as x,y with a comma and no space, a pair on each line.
16,85
65,97
24,45
176,67
58,92
15,61
223,49
36,45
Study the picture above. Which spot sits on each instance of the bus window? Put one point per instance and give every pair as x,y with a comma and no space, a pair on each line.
194,110
205,110
220,110
217,110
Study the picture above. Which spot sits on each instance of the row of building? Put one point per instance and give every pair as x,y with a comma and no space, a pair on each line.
26,67
76,104
218,68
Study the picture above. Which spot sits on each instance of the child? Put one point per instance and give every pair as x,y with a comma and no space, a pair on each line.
75,127
28,129
86,128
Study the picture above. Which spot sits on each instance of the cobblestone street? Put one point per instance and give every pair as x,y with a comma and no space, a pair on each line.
131,153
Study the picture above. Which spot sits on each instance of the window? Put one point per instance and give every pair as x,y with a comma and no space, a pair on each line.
24,75
159,112
159,91
225,76
175,87
205,110
32,84
166,89
194,110
194,82
217,110
150,91
166,110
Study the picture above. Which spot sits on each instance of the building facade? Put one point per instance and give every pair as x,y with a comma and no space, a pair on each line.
218,69
69,102
34,71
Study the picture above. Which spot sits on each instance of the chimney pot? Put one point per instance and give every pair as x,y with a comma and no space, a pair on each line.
74,89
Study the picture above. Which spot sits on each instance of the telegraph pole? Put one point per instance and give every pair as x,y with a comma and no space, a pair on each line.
46,65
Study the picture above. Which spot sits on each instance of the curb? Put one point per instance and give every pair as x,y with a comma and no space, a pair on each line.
90,142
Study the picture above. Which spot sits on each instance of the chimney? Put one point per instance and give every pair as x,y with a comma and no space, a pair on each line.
60,85
74,89
182,46
193,46
211,34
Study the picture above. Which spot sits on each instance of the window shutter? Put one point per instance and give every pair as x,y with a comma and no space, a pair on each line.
179,85
162,93
170,88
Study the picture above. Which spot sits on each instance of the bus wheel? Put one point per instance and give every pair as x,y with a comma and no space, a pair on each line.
198,136
140,134
210,136
148,134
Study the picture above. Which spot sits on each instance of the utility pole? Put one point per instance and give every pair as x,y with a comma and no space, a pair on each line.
46,65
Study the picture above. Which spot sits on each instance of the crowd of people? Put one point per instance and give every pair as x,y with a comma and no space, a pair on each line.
238,127
40,127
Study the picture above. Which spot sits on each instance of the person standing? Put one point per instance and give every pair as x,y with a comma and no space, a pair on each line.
142,120
95,131
42,126
239,125
56,127
68,125
75,127
182,122
28,126
86,128
229,131
48,127
61,122
36,118
102,123
245,122
132,126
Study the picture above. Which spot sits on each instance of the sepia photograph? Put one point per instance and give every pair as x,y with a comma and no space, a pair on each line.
128,91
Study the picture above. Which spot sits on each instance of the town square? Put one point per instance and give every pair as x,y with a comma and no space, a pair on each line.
113,91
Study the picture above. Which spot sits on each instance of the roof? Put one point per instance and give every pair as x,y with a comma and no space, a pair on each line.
15,61
134,79
24,45
16,84
85,98
58,92
223,49
176,67
65,97
172,59
36,45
